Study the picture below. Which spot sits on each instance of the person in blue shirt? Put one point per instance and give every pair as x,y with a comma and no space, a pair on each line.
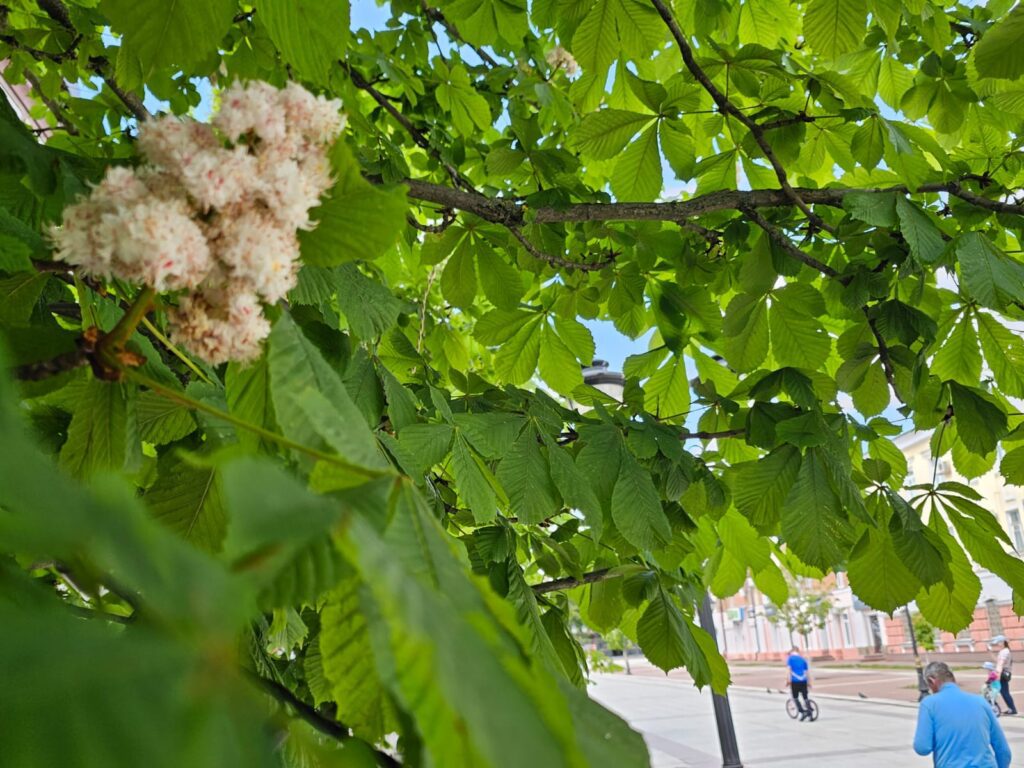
799,680
958,729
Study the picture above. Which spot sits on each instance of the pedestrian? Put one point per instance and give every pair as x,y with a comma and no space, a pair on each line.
958,729
1004,668
799,681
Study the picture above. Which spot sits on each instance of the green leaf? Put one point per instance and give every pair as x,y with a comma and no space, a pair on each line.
572,486
998,53
559,367
1004,353
877,573
247,390
1012,466
187,498
667,391
102,424
670,641
524,475
517,359
501,281
798,340
356,220
868,144
980,423
746,332
835,27
371,309
171,34
989,275
603,135
469,110
959,358
922,235
636,507
761,487
952,607
812,517
348,659
875,208
637,174
18,296
458,280
312,405
162,420
310,34
476,484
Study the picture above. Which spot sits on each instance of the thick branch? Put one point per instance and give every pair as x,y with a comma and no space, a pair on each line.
508,212
307,713
740,432
728,108
569,582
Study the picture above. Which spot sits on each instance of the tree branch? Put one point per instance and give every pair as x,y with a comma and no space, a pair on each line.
555,260
728,108
569,582
713,435
434,14
313,718
57,11
507,211
778,237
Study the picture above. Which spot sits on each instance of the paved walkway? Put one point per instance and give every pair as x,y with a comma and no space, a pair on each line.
678,723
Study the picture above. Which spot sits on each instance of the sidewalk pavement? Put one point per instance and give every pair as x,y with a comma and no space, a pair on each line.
678,723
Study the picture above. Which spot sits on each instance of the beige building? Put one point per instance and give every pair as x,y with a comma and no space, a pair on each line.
853,630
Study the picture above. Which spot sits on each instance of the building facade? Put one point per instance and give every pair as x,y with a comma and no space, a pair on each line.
854,631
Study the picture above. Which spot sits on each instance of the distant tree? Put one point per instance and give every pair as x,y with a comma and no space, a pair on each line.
802,613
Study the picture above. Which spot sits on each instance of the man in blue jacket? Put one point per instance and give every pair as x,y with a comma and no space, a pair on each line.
958,729
799,680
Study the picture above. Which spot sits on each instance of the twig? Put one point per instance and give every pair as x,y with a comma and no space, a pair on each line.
728,108
57,11
778,237
54,107
570,582
447,219
433,14
310,716
555,260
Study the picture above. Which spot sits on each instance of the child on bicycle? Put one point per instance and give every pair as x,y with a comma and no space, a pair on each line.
992,687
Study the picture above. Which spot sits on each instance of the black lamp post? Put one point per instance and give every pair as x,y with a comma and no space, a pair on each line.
613,384
723,711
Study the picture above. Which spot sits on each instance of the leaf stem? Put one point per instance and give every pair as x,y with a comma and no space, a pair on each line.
175,351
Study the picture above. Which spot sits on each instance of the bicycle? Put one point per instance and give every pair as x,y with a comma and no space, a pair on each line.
793,712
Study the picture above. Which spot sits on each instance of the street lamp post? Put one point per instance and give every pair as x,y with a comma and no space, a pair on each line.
614,385
723,712
922,686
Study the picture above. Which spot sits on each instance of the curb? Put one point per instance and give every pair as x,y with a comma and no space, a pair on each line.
833,696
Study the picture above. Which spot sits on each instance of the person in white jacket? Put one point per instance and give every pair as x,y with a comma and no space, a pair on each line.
1004,668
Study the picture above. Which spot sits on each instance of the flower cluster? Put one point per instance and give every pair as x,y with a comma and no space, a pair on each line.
559,58
212,211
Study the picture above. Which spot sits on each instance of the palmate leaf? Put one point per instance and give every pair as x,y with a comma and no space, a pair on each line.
998,53
989,275
761,487
603,135
637,174
877,573
162,420
959,357
812,517
798,340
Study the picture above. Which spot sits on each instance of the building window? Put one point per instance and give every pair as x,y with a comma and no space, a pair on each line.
844,619
942,472
1013,518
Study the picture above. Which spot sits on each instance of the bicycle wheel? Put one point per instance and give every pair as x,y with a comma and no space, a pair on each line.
791,709
813,705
